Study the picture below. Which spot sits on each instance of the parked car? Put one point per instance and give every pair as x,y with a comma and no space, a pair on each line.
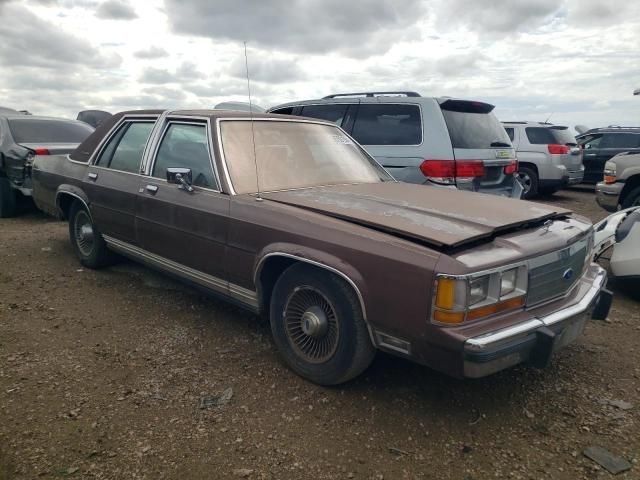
601,144
621,185
433,141
548,157
22,137
291,218
618,236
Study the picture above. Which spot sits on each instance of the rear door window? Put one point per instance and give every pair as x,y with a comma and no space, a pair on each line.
334,113
30,130
125,148
388,124
473,125
540,136
620,140
185,146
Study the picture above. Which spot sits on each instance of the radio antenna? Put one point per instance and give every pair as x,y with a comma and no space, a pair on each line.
253,133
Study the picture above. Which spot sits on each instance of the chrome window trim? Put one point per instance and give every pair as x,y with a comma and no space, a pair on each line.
68,155
223,159
157,141
236,292
343,275
133,119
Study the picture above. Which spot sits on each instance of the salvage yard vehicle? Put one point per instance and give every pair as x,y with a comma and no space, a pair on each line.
22,137
548,157
442,141
620,187
601,144
291,218
618,236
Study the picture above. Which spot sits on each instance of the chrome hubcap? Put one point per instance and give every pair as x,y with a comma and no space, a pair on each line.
311,324
83,230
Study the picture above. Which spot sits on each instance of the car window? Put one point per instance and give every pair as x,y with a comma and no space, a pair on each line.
591,142
125,148
540,136
511,132
333,113
620,140
473,125
185,146
388,124
284,111
28,130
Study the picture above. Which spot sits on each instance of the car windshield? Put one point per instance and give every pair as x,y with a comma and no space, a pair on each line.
32,130
290,155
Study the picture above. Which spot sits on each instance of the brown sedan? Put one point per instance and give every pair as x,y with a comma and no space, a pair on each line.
291,218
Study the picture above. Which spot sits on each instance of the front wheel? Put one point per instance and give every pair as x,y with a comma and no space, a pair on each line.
318,326
632,199
86,240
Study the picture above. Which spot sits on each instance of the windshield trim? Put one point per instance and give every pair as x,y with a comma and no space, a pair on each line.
223,159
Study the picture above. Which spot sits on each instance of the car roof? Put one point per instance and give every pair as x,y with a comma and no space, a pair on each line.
611,129
528,123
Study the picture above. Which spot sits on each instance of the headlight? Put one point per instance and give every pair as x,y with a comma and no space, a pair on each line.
471,297
610,172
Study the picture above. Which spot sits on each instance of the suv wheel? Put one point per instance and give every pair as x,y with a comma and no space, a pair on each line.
86,240
8,199
632,199
318,326
529,179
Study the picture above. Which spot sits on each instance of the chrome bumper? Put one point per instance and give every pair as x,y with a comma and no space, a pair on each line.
536,339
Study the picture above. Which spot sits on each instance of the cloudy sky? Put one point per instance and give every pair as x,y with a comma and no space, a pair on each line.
577,60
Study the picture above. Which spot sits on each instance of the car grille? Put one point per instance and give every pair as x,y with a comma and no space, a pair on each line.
552,275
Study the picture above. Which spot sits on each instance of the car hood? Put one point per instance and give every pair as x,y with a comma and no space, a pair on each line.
438,216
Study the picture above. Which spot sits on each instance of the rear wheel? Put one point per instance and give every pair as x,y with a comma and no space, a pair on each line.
632,199
8,199
318,326
86,240
529,179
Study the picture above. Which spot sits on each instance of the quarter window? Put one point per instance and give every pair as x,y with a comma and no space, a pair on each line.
388,124
124,150
333,113
185,146
511,132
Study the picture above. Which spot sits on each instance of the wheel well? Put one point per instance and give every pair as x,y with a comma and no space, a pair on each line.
629,185
64,204
271,270
532,166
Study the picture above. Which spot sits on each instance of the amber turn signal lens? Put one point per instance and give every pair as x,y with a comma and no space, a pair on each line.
448,317
609,179
445,296
495,308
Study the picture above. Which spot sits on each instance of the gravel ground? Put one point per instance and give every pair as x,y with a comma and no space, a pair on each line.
123,373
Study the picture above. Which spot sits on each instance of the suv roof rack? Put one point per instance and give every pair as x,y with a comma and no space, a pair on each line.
372,94
620,126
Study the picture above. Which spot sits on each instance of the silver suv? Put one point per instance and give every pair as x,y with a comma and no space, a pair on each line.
549,157
436,141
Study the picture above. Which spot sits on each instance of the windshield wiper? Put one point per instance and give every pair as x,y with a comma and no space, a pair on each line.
499,144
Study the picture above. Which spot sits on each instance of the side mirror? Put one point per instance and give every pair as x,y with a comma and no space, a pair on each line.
180,176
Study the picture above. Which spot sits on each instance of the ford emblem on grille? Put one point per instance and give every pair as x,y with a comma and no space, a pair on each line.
568,274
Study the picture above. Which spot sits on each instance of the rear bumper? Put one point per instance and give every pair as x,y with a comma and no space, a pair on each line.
534,341
608,195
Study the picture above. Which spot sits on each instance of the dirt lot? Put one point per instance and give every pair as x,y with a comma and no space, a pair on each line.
110,374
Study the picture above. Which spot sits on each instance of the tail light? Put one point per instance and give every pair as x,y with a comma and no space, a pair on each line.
557,149
511,168
446,171
41,151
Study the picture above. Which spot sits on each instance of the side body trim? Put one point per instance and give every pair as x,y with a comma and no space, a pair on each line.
59,193
240,294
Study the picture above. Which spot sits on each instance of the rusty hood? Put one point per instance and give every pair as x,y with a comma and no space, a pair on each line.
438,216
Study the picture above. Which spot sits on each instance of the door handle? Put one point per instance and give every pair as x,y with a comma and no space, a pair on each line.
152,189
589,154
93,176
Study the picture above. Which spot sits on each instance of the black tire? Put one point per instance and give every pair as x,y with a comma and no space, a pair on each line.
86,239
343,350
8,199
632,199
529,179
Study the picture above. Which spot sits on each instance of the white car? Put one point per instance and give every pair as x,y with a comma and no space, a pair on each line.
620,232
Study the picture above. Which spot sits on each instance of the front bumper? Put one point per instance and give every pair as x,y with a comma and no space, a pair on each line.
608,195
536,340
